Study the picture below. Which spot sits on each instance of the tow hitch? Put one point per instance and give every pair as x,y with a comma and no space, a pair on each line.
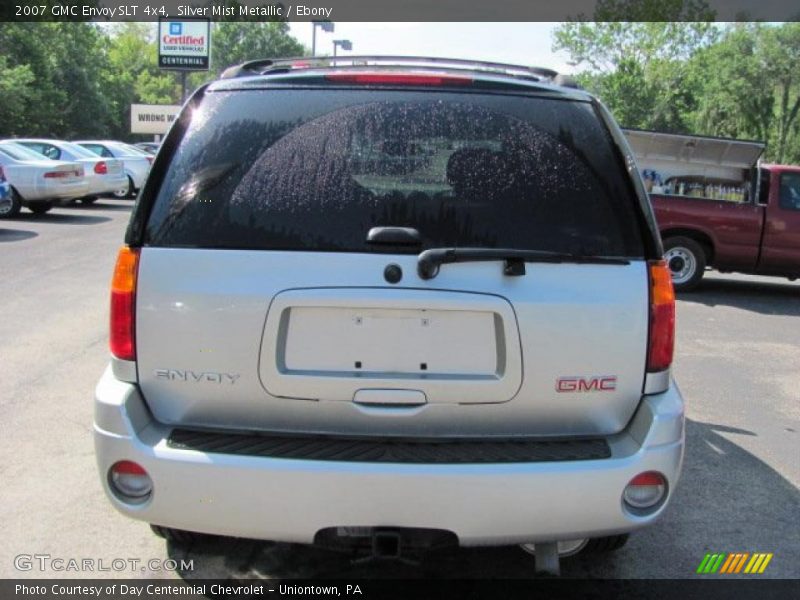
403,544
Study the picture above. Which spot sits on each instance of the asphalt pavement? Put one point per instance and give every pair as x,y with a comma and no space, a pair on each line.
737,363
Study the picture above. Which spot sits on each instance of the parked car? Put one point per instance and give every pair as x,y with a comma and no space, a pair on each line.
137,163
411,303
5,193
719,208
38,182
149,147
104,175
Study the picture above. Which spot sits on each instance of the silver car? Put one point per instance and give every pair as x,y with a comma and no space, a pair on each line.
395,305
104,175
38,182
137,162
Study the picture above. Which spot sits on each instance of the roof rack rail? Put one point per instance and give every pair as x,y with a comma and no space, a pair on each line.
266,65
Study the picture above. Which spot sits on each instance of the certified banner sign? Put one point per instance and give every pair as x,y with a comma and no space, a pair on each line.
184,45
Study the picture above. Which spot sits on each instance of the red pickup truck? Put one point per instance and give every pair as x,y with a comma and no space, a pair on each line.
716,207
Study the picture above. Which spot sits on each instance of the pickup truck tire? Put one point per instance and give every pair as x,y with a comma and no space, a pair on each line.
39,208
12,210
686,260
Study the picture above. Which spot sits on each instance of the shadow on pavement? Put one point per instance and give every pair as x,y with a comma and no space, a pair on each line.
727,500
778,298
66,218
120,205
16,235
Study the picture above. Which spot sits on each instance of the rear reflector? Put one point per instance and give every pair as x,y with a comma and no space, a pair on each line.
662,317
646,490
397,79
123,304
101,168
129,481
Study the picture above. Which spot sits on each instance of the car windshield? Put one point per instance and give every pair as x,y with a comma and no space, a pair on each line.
77,150
18,152
316,170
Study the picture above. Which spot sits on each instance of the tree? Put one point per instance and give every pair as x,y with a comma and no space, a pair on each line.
637,67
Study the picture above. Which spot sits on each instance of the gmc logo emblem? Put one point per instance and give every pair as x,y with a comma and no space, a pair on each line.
604,383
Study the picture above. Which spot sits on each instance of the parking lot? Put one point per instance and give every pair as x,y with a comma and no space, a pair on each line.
737,362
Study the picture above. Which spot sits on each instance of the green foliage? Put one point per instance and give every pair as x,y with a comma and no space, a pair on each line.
739,81
68,80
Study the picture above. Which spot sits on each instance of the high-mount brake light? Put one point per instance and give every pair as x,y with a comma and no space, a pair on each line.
661,342
122,341
422,79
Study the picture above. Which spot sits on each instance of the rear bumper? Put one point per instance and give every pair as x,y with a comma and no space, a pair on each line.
292,499
106,184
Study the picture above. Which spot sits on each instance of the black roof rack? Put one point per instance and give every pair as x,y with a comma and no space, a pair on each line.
265,66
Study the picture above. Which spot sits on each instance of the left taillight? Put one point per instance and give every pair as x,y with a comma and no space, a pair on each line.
101,168
662,318
122,339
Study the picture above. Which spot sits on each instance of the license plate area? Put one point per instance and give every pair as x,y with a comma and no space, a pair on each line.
381,342
327,344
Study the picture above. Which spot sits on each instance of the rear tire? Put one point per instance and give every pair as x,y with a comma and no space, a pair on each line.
604,545
125,192
13,210
686,260
178,536
39,208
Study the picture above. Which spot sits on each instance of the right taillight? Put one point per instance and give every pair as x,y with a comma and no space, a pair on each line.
662,317
122,340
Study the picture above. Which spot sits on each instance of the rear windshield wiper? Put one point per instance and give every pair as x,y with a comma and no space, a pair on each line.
429,261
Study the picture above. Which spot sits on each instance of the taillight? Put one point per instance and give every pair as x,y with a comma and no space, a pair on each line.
2,174
101,168
662,317
123,304
149,159
398,79
57,174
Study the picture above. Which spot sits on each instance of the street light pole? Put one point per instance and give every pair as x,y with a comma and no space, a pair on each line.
325,26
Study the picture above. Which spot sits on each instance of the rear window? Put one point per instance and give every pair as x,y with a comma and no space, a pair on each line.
316,169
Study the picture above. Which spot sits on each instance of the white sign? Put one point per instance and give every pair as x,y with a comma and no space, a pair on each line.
184,45
153,118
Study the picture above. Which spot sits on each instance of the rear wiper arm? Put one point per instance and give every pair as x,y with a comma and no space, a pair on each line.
429,261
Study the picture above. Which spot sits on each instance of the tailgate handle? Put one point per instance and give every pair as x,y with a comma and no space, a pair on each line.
394,236
390,397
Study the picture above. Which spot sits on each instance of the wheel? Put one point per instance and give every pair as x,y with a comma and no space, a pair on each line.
686,260
89,200
605,544
11,210
178,536
125,192
39,208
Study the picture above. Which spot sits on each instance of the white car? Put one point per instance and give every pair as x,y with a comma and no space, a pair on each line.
104,175
137,162
37,182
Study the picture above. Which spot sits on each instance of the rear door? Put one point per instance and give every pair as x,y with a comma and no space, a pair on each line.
263,305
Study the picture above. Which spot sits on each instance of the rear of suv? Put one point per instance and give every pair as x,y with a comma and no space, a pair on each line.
384,301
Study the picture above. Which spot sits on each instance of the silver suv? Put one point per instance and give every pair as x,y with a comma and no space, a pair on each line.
382,303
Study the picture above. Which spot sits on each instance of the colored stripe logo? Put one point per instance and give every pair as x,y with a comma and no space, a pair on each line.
734,562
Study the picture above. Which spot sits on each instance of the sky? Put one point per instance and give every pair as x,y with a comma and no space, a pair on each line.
518,43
